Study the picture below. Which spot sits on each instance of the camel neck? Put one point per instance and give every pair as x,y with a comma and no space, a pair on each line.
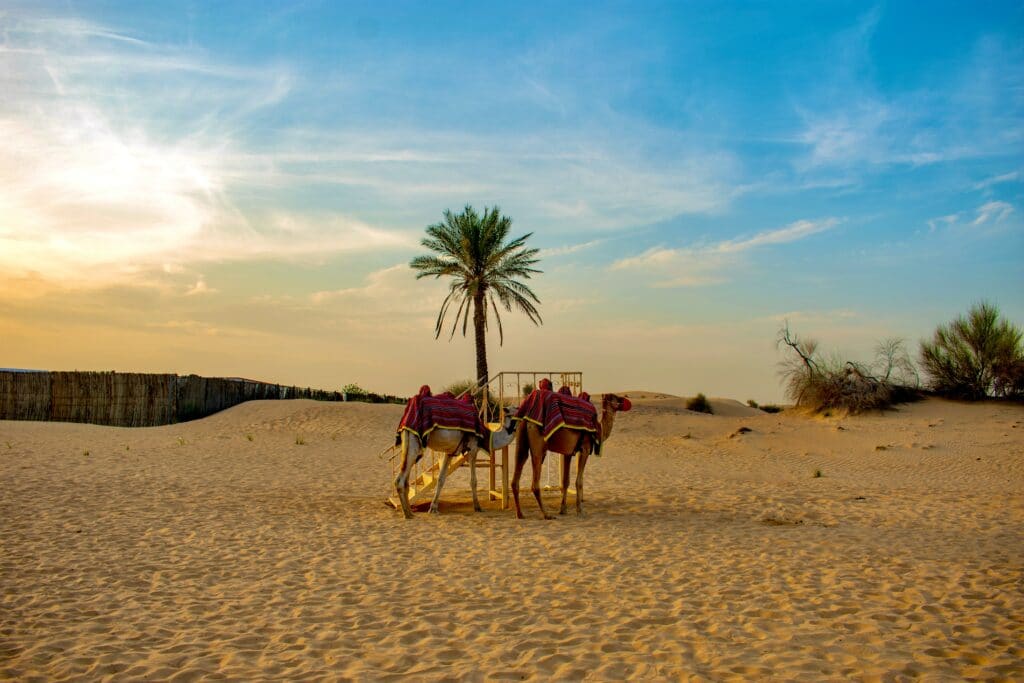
607,422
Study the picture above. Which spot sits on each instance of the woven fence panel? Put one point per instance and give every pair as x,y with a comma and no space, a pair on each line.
127,399
80,397
141,400
24,396
121,399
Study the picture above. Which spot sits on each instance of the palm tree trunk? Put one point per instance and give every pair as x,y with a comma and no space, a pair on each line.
481,341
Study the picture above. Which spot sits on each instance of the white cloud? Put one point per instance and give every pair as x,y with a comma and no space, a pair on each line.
394,289
996,212
950,219
564,181
791,233
967,112
707,264
996,180
569,249
92,191
655,256
200,287
847,136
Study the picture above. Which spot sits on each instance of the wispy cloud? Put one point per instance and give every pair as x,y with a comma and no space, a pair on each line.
994,212
564,182
971,111
791,233
71,28
708,263
200,287
127,153
947,220
92,190
392,290
570,248
996,180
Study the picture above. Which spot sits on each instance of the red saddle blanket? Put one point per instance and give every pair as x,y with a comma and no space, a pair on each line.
424,414
552,410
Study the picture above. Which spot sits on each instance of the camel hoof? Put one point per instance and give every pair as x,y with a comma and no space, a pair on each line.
433,510
519,515
546,516
561,511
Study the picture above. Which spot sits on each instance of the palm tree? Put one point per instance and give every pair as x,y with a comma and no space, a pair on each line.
485,270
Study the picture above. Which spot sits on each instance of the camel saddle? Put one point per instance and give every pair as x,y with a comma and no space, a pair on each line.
553,410
425,413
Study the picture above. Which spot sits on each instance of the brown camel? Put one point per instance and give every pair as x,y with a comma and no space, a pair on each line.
568,442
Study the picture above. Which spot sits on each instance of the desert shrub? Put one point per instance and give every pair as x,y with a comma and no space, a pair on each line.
768,408
823,384
699,404
528,389
461,386
893,364
975,356
353,392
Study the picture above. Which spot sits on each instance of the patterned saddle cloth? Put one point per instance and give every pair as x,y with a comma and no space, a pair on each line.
552,410
425,413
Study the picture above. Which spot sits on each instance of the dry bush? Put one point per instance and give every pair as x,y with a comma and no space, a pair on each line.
820,384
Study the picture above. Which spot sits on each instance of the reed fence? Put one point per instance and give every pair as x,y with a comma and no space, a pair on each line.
128,399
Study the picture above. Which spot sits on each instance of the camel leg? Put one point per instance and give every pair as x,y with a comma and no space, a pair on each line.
472,476
537,458
522,452
402,481
566,469
402,486
580,464
442,475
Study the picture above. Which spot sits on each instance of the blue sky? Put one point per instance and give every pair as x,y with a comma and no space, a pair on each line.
234,188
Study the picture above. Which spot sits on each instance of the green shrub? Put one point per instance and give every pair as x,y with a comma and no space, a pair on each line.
772,408
528,389
752,403
461,386
975,356
354,392
699,404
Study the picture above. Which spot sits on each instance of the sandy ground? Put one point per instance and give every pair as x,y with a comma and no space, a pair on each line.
225,548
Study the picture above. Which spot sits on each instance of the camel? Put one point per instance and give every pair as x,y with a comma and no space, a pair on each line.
568,442
449,442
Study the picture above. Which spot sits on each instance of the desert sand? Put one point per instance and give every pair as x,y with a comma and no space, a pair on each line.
255,544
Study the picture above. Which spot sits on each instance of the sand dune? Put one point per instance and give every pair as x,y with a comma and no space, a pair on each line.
254,544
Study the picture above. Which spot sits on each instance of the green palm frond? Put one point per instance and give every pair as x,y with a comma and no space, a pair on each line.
487,269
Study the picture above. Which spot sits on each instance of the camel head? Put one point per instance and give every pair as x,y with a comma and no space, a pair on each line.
615,403
508,425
